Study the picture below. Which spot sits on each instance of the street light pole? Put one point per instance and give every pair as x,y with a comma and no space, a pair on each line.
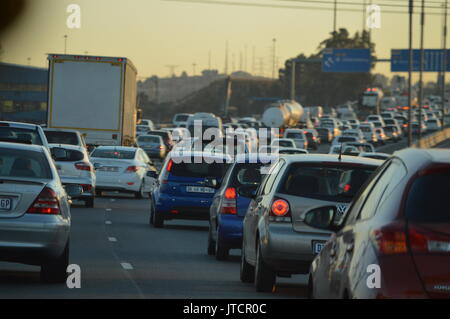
411,4
422,62
444,64
65,43
293,79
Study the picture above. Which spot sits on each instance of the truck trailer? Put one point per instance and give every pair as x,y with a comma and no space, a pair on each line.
95,95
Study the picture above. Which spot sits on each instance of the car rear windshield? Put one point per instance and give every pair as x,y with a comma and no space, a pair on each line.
24,164
331,182
428,200
19,135
182,118
117,154
149,139
164,135
246,174
72,155
344,139
285,143
199,170
55,137
295,135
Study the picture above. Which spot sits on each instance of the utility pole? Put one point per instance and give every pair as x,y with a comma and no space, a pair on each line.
171,69
65,43
193,68
334,16
29,60
411,6
364,16
253,60
422,62
274,41
226,58
444,63
209,60
293,79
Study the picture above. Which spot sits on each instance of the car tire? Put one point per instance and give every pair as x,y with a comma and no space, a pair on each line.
152,212
140,194
221,249
158,220
310,294
89,203
55,271
211,244
247,270
264,276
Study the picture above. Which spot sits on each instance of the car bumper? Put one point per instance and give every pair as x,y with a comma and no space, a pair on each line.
131,183
230,230
33,239
173,207
286,250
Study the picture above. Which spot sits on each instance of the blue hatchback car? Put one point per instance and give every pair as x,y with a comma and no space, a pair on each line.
230,204
186,186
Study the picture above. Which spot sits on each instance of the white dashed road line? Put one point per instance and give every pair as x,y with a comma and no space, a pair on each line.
112,239
108,222
108,209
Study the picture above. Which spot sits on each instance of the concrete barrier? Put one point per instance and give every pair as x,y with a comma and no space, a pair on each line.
433,139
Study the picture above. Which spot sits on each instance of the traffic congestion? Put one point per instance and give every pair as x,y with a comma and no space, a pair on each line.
322,181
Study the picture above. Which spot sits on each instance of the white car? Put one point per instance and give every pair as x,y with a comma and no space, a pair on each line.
68,137
75,168
148,123
375,118
433,124
284,142
375,155
26,133
355,133
181,119
123,169
336,149
299,137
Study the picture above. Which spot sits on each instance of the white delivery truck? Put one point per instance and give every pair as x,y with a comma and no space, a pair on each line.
95,95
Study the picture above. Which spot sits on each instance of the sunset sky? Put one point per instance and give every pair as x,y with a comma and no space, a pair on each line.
157,33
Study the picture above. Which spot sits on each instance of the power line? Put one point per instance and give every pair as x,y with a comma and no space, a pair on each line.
261,5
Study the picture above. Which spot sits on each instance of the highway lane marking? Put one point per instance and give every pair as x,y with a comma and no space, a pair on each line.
127,266
108,209
108,222
112,239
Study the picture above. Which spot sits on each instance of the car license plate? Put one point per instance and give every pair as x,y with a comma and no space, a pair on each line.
109,169
199,189
5,203
318,246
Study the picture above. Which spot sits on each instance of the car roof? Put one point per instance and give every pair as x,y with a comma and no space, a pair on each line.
255,157
330,158
20,125
20,146
150,135
190,154
414,155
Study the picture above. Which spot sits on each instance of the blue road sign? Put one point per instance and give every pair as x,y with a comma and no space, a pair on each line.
346,60
433,60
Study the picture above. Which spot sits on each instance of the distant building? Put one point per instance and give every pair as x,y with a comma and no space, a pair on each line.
23,92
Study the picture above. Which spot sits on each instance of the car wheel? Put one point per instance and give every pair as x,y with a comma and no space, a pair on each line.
152,213
140,194
264,275
89,203
211,243
221,249
55,271
158,220
247,270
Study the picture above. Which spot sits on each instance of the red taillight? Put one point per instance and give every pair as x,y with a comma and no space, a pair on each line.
46,203
391,239
161,147
82,166
229,202
169,165
280,211
86,188
132,169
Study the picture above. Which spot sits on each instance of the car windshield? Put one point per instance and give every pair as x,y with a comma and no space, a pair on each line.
149,139
111,153
285,143
344,139
182,118
294,135
24,164
19,135
330,182
365,129
55,137
199,170
428,200
246,174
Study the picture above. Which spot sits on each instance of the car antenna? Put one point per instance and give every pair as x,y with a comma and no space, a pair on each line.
340,152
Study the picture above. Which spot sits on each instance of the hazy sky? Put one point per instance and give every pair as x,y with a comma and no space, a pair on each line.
157,33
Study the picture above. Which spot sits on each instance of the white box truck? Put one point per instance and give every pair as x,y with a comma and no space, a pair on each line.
95,95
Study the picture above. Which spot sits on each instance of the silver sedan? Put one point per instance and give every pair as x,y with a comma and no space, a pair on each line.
34,211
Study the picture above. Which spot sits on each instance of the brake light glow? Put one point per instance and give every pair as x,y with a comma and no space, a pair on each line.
229,202
46,203
83,166
280,211
390,240
132,169
169,165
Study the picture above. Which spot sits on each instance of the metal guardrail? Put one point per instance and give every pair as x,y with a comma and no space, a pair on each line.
433,139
